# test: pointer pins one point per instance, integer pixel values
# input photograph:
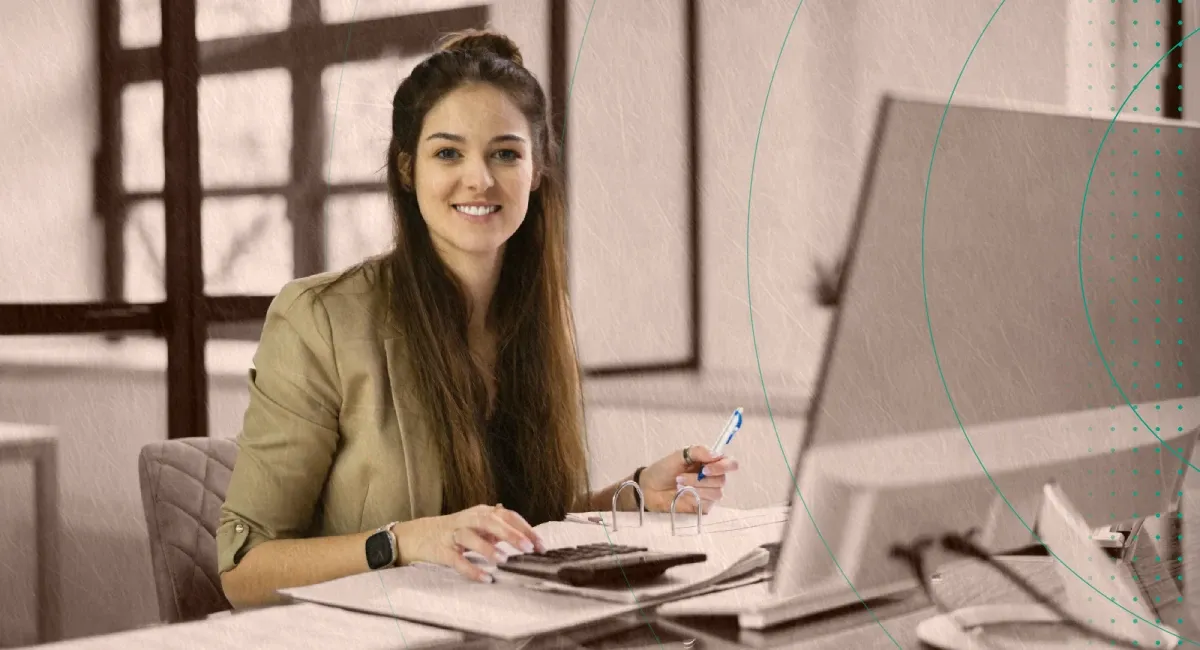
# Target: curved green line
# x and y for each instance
(754, 336)
(933, 344)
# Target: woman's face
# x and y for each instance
(473, 171)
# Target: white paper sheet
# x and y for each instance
(439, 596)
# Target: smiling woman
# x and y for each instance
(427, 402)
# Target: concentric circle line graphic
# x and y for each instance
(929, 323)
(754, 338)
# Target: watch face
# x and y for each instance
(379, 550)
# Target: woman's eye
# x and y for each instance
(508, 155)
(446, 154)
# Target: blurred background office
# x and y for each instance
(134, 268)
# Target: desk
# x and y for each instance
(39, 444)
(958, 584)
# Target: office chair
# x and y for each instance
(183, 485)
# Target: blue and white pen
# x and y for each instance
(731, 427)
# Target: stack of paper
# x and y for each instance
(732, 555)
(516, 607)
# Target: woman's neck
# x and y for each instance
(479, 275)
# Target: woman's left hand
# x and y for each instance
(663, 479)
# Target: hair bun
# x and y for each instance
(482, 40)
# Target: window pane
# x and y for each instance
(141, 136)
(145, 279)
(341, 11)
(225, 18)
(246, 242)
(358, 110)
(141, 20)
(245, 128)
(357, 226)
(247, 245)
(141, 23)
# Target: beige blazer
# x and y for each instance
(332, 443)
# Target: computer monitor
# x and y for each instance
(997, 320)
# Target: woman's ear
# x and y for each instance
(404, 165)
(537, 181)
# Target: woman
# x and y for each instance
(391, 404)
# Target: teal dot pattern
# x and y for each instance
(1136, 197)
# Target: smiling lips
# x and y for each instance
(476, 210)
(476, 213)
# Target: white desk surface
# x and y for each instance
(295, 627)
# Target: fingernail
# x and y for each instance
(526, 546)
(486, 578)
(678, 480)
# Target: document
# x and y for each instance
(732, 554)
(518, 607)
(438, 595)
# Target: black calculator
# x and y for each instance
(590, 565)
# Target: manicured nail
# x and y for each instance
(486, 578)
(678, 480)
(526, 546)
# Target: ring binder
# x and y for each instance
(699, 507)
(641, 503)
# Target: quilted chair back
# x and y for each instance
(183, 487)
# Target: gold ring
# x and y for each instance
(687, 457)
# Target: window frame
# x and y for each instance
(185, 318)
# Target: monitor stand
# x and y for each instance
(1069, 539)
(774, 609)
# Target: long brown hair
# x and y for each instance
(539, 405)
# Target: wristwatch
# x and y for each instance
(381, 548)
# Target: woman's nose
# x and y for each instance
(477, 176)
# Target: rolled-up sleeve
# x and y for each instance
(290, 430)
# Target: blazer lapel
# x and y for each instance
(422, 465)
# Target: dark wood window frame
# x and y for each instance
(186, 315)
(563, 52)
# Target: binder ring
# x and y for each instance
(699, 507)
(641, 502)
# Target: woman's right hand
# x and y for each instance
(444, 540)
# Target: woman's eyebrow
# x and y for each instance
(442, 135)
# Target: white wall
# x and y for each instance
(49, 132)
(839, 56)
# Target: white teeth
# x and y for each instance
(476, 210)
